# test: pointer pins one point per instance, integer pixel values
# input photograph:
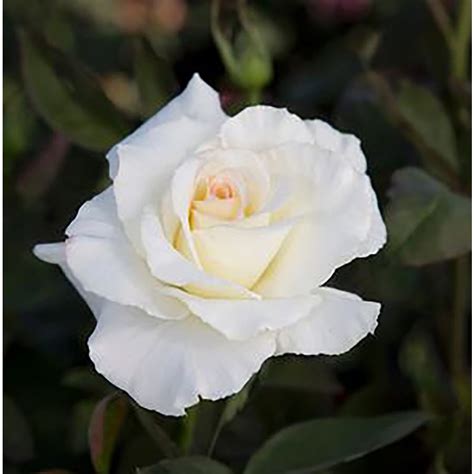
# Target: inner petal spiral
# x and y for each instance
(217, 196)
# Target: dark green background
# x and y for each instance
(392, 72)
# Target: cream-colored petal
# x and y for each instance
(240, 255)
(220, 209)
(204, 221)
(170, 266)
(249, 174)
(182, 191)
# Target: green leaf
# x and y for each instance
(232, 406)
(104, 429)
(154, 77)
(420, 362)
(187, 465)
(79, 425)
(307, 374)
(319, 444)
(19, 124)
(67, 96)
(18, 440)
(150, 423)
(428, 118)
(87, 380)
(426, 221)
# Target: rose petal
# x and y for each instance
(377, 235)
(340, 212)
(262, 127)
(182, 191)
(101, 258)
(344, 145)
(334, 326)
(144, 162)
(167, 264)
(167, 366)
(204, 221)
(56, 253)
(245, 168)
(198, 102)
(243, 319)
(240, 255)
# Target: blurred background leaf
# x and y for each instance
(67, 97)
(190, 465)
(104, 429)
(316, 445)
(79, 75)
(19, 439)
(427, 222)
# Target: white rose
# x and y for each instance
(207, 254)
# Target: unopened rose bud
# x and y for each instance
(254, 69)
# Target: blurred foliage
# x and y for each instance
(80, 74)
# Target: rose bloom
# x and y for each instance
(209, 251)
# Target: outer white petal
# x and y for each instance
(262, 127)
(101, 258)
(198, 102)
(344, 145)
(377, 236)
(336, 325)
(243, 319)
(168, 365)
(340, 207)
(145, 161)
(56, 253)
(167, 264)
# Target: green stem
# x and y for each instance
(457, 36)
(462, 36)
(214, 439)
(156, 432)
(223, 45)
(442, 21)
(189, 425)
(254, 96)
(461, 282)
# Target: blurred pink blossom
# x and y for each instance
(336, 11)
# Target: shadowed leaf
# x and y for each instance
(154, 78)
(67, 96)
(188, 465)
(428, 118)
(314, 445)
(18, 441)
(104, 429)
(426, 221)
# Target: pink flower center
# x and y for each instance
(220, 187)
